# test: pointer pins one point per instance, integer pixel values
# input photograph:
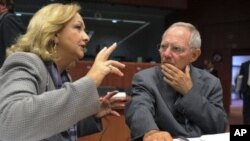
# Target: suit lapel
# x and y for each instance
(167, 93)
(195, 76)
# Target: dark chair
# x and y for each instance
(104, 89)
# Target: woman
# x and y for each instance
(37, 101)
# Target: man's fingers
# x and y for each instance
(115, 113)
(187, 69)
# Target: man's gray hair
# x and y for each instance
(195, 38)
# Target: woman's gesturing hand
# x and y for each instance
(108, 104)
(102, 66)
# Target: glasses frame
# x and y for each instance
(173, 48)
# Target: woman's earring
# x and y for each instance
(54, 47)
(55, 44)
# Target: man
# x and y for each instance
(10, 26)
(176, 98)
(209, 66)
(245, 91)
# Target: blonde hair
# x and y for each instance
(41, 31)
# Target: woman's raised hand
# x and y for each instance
(102, 66)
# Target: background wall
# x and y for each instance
(137, 31)
(224, 26)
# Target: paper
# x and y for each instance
(189, 139)
(216, 137)
(119, 95)
(211, 137)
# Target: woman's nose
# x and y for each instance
(85, 37)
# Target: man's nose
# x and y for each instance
(167, 51)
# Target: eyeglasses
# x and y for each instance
(173, 48)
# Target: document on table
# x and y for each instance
(210, 137)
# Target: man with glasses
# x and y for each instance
(176, 98)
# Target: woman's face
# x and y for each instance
(72, 40)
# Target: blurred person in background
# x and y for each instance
(209, 66)
(11, 26)
(244, 90)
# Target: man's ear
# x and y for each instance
(195, 54)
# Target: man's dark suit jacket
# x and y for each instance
(214, 72)
(157, 106)
(11, 27)
(244, 70)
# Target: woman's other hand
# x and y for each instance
(106, 105)
(109, 104)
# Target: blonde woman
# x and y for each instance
(37, 100)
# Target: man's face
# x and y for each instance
(174, 48)
(3, 8)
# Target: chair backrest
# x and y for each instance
(102, 90)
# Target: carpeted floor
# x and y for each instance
(235, 115)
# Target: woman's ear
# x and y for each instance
(195, 54)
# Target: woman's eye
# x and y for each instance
(78, 27)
